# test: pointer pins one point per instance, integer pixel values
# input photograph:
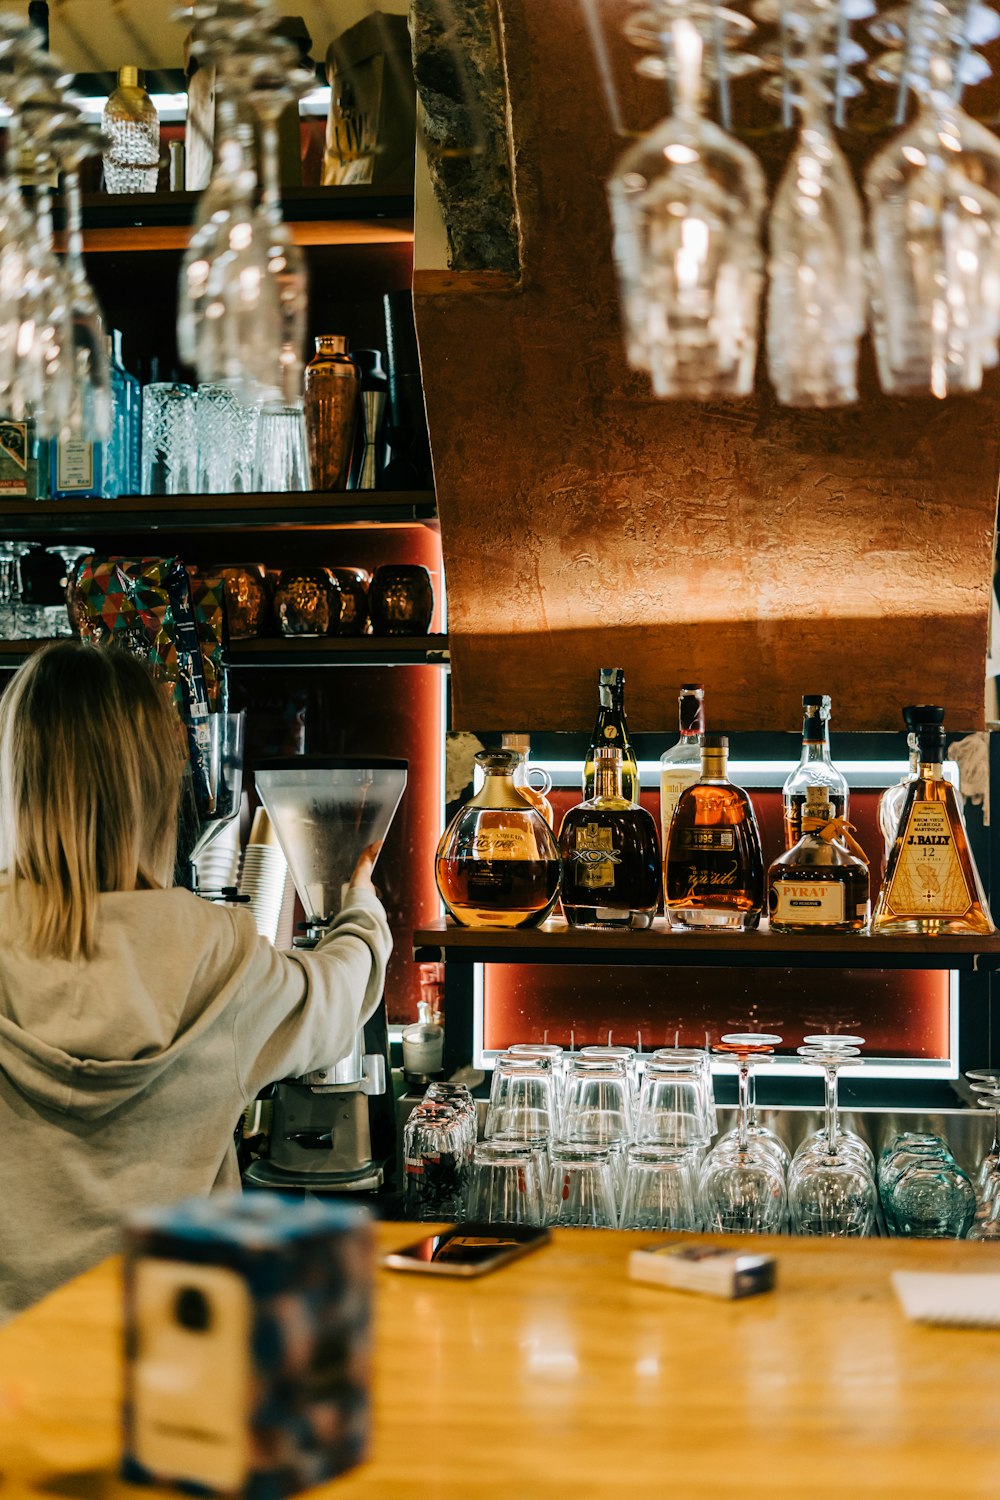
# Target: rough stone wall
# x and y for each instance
(762, 551)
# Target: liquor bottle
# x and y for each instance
(536, 795)
(823, 882)
(814, 769)
(610, 855)
(680, 766)
(123, 453)
(890, 804)
(497, 864)
(76, 469)
(931, 884)
(714, 866)
(132, 129)
(612, 729)
(24, 462)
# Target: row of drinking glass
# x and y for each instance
(209, 442)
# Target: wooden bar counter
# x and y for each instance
(556, 1378)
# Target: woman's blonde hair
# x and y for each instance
(90, 773)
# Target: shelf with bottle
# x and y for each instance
(288, 510)
(555, 942)
(305, 651)
(143, 222)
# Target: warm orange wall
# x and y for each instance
(585, 524)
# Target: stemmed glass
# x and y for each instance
(934, 215)
(986, 1085)
(90, 415)
(831, 1189)
(816, 291)
(686, 205)
(743, 1182)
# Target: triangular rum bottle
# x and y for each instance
(931, 885)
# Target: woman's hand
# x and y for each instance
(361, 880)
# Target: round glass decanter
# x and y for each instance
(497, 864)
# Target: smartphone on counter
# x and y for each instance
(467, 1249)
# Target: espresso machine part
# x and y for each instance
(334, 1129)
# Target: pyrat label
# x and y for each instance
(928, 880)
(805, 901)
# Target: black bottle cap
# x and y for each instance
(917, 714)
(692, 687)
(715, 742)
(815, 700)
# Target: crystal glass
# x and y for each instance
(932, 1198)
(458, 1098)
(505, 1186)
(497, 864)
(168, 439)
(282, 462)
(218, 439)
(307, 602)
(743, 1185)
(660, 1189)
(11, 588)
(831, 1191)
(816, 288)
(581, 1188)
(686, 204)
(132, 128)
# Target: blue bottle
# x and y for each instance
(122, 466)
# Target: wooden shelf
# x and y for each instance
(49, 519)
(556, 943)
(306, 651)
(316, 216)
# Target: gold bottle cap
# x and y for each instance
(131, 78)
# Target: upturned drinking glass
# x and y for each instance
(932, 1198)
(505, 1185)
(673, 1106)
(597, 1105)
(743, 1185)
(282, 462)
(686, 205)
(437, 1151)
(660, 1189)
(581, 1188)
(526, 1104)
(831, 1191)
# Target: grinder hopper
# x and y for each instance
(325, 810)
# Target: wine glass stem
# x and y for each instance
(43, 206)
(830, 1075)
(74, 223)
(270, 169)
(743, 1109)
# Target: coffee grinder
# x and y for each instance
(332, 1131)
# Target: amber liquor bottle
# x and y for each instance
(610, 855)
(714, 865)
(822, 883)
(931, 885)
(611, 733)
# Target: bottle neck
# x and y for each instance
(691, 716)
(931, 770)
(815, 743)
(713, 764)
(608, 778)
(612, 699)
(498, 790)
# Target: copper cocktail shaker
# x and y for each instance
(331, 407)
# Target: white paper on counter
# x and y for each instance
(970, 1300)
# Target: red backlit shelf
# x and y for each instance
(556, 943)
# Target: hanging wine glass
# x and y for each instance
(276, 81)
(90, 415)
(686, 204)
(816, 293)
(831, 1191)
(743, 1184)
(935, 229)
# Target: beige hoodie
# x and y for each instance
(122, 1078)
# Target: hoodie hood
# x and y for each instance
(83, 1038)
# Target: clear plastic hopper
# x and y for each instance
(325, 810)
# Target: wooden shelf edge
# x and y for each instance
(555, 943)
(284, 652)
(286, 510)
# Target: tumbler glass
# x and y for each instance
(218, 438)
(581, 1188)
(932, 1198)
(505, 1187)
(597, 1108)
(660, 1189)
(282, 455)
(527, 1111)
(436, 1156)
(673, 1106)
(168, 439)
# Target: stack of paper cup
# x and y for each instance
(219, 864)
(264, 875)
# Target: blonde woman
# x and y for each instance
(136, 1021)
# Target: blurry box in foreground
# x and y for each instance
(248, 1344)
